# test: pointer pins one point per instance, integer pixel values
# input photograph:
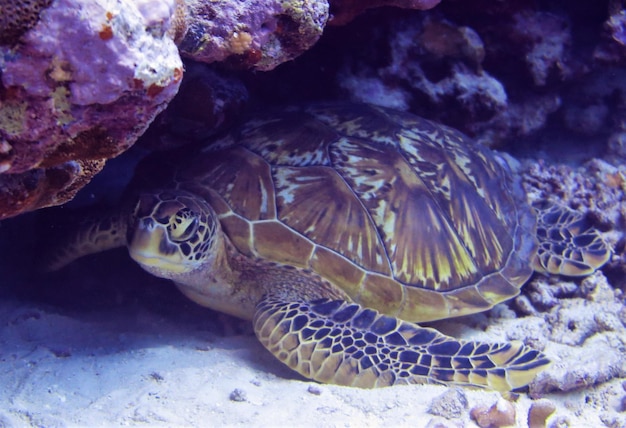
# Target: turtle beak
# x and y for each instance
(150, 247)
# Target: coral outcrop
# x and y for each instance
(500, 414)
(17, 17)
(258, 34)
(80, 87)
(499, 71)
(207, 103)
(431, 65)
(262, 34)
(589, 331)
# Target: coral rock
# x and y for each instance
(44, 187)
(578, 319)
(501, 414)
(207, 103)
(258, 34)
(77, 89)
(597, 188)
(547, 38)
(590, 330)
(451, 404)
(598, 360)
(539, 413)
(17, 17)
(616, 24)
(438, 67)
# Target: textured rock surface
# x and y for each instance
(596, 186)
(258, 34)
(539, 412)
(433, 63)
(499, 414)
(450, 405)
(497, 70)
(79, 88)
(207, 102)
(436, 66)
(262, 34)
(17, 17)
(588, 333)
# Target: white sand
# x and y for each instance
(154, 359)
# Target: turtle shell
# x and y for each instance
(405, 215)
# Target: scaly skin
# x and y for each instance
(333, 341)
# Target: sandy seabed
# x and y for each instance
(102, 346)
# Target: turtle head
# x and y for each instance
(173, 234)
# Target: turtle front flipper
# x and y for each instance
(94, 234)
(333, 341)
(568, 245)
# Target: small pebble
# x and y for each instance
(238, 395)
(156, 377)
(451, 404)
(61, 352)
(314, 389)
(501, 414)
(539, 413)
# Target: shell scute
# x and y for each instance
(239, 231)
(275, 241)
(406, 216)
(382, 292)
(422, 304)
(318, 203)
(469, 300)
(467, 188)
(338, 270)
(361, 121)
(294, 139)
(497, 285)
(401, 214)
(242, 178)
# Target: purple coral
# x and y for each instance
(80, 87)
(258, 34)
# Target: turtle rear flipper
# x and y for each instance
(94, 234)
(568, 245)
(333, 341)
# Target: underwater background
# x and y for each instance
(102, 343)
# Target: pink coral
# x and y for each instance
(258, 34)
(80, 87)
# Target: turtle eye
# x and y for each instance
(183, 226)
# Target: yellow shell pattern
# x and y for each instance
(406, 216)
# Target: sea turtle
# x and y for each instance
(335, 228)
